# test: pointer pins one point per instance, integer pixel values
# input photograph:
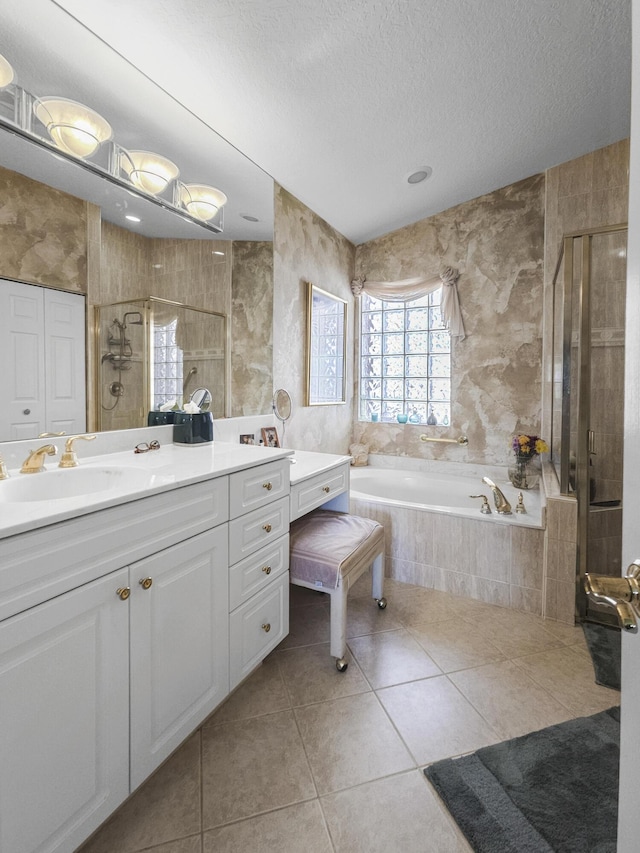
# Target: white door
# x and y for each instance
(179, 645)
(629, 803)
(22, 379)
(64, 335)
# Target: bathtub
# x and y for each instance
(436, 537)
(442, 493)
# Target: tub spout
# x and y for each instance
(503, 507)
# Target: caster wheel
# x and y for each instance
(341, 665)
(382, 603)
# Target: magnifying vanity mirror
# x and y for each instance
(281, 405)
(202, 398)
(66, 229)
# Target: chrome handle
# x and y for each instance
(326, 489)
(123, 592)
(267, 486)
(266, 627)
(145, 583)
(622, 594)
(266, 570)
(267, 528)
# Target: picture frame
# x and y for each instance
(270, 437)
(247, 438)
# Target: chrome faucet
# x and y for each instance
(35, 460)
(503, 507)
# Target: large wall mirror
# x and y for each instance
(65, 229)
(326, 341)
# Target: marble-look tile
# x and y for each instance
(263, 692)
(611, 166)
(392, 815)
(561, 519)
(455, 644)
(569, 677)
(513, 633)
(308, 624)
(566, 602)
(575, 176)
(293, 829)
(527, 557)
(349, 741)
(525, 599)
(392, 657)
(310, 675)
(165, 808)
(417, 574)
(365, 617)
(435, 720)
(238, 762)
(424, 605)
(193, 844)
(511, 702)
(300, 596)
(551, 599)
(561, 560)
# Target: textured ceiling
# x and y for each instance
(340, 100)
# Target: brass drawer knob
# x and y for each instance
(326, 489)
(266, 570)
(267, 486)
(145, 583)
(124, 592)
(266, 627)
(266, 528)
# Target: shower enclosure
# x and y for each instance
(588, 395)
(152, 352)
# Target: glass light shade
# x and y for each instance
(6, 73)
(149, 172)
(74, 128)
(201, 201)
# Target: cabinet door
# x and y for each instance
(179, 645)
(64, 709)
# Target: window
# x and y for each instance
(405, 361)
(167, 365)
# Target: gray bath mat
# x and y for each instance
(551, 791)
(604, 647)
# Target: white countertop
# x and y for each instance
(170, 467)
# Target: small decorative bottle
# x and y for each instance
(414, 417)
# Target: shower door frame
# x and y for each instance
(584, 435)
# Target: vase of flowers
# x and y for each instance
(525, 448)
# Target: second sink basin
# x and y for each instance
(59, 484)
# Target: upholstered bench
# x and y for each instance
(329, 551)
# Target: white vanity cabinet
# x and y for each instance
(259, 565)
(64, 717)
(179, 645)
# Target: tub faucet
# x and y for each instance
(503, 507)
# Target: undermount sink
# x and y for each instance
(59, 484)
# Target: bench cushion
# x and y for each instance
(325, 546)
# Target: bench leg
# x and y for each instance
(339, 626)
(377, 581)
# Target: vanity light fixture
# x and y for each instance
(6, 73)
(201, 201)
(74, 128)
(132, 218)
(150, 172)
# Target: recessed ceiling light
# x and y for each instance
(249, 218)
(219, 253)
(420, 175)
(132, 218)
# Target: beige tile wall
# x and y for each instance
(496, 242)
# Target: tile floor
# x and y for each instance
(303, 759)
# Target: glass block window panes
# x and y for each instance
(167, 365)
(326, 377)
(405, 361)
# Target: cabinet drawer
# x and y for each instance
(317, 490)
(257, 627)
(254, 573)
(258, 486)
(36, 566)
(258, 528)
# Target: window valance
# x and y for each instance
(408, 289)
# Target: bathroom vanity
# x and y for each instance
(128, 615)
